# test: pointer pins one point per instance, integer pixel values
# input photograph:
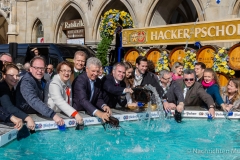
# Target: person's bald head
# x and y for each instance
(49, 68)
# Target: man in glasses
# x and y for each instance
(49, 73)
(199, 69)
(173, 95)
(29, 92)
(193, 92)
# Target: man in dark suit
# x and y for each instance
(173, 95)
(87, 94)
(50, 73)
(199, 69)
(193, 92)
(79, 60)
(114, 88)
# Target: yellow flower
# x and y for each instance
(217, 56)
(232, 72)
(225, 70)
(221, 51)
(165, 61)
(224, 63)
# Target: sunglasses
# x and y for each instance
(189, 79)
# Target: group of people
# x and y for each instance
(81, 86)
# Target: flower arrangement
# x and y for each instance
(111, 22)
(163, 62)
(190, 59)
(112, 19)
(220, 62)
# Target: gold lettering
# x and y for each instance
(154, 35)
(186, 33)
(180, 33)
(160, 35)
(233, 30)
(197, 31)
(165, 34)
(209, 31)
(220, 30)
(204, 32)
(173, 35)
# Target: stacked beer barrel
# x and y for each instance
(204, 54)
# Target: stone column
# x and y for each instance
(12, 26)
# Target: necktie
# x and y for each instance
(185, 92)
(68, 94)
(117, 84)
(92, 89)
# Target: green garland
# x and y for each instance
(110, 23)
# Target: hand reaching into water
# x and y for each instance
(17, 121)
(58, 120)
(79, 119)
(30, 123)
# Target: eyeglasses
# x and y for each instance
(65, 71)
(49, 68)
(39, 68)
(189, 79)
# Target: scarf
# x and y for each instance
(206, 85)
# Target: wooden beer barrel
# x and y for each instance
(176, 55)
(223, 79)
(153, 54)
(131, 56)
(206, 55)
(234, 57)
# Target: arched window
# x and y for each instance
(39, 33)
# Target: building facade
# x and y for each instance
(77, 21)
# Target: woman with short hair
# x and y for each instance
(58, 92)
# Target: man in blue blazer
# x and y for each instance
(87, 94)
(114, 88)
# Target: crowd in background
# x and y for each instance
(39, 88)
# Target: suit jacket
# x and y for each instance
(195, 95)
(174, 93)
(200, 80)
(74, 75)
(30, 96)
(47, 77)
(148, 78)
(56, 97)
(82, 93)
(113, 92)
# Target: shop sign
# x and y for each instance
(73, 24)
(77, 33)
(218, 31)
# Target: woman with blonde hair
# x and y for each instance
(177, 71)
(232, 98)
(211, 85)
